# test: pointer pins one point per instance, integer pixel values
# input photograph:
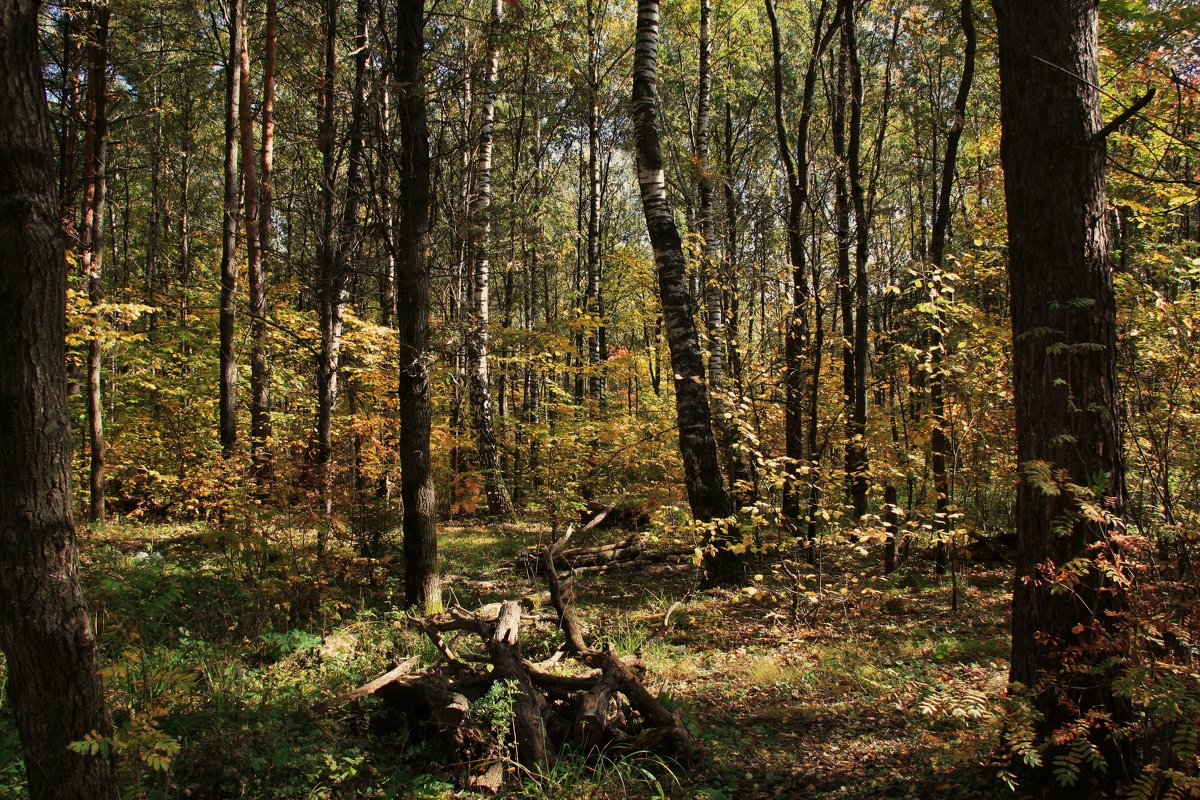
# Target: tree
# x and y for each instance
(480, 269)
(95, 195)
(1072, 495)
(45, 634)
(421, 584)
(796, 347)
(705, 487)
(227, 424)
(939, 437)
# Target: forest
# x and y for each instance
(599, 399)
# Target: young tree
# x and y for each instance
(227, 425)
(1072, 495)
(480, 265)
(421, 583)
(95, 195)
(702, 472)
(53, 685)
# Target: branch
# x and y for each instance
(1102, 134)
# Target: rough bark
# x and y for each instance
(421, 582)
(1064, 376)
(54, 691)
(702, 472)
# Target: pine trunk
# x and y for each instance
(421, 582)
(54, 690)
(1064, 373)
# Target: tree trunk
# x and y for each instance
(258, 247)
(95, 191)
(796, 169)
(705, 487)
(1064, 374)
(856, 445)
(331, 278)
(54, 689)
(480, 231)
(421, 583)
(592, 300)
(227, 426)
(940, 438)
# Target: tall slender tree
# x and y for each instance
(480, 266)
(95, 199)
(702, 472)
(796, 159)
(53, 685)
(939, 435)
(227, 424)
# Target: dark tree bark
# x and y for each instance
(259, 208)
(95, 196)
(54, 690)
(227, 424)
(331, 283)
(705, 486)
(856, 442)
(939, 437)
(421, 583)
(1064, 372)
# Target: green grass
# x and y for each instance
(218, 652)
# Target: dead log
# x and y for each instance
(627, 516)
(605, 706)
(528, 703)
(370, 687)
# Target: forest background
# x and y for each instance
(230, 182)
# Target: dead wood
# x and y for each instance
(603, 706)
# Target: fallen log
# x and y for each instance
(602, 707)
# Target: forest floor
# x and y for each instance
(218, 658)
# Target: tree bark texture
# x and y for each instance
(421, 582)
(53, 688)
(1064, 376)
(697, 446)
(480, 232)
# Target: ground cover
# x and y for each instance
(825, 681)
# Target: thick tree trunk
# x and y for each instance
(480, 231)
(1064, 373)
(227, 425)
(421, 583)
(54, 690)
(95, 194)
(702, 472)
